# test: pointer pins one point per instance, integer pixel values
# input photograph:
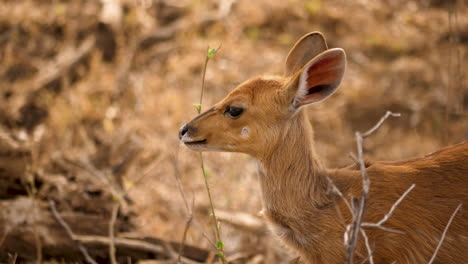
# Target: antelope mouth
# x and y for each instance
(197, 142)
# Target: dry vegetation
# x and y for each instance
(91, 99)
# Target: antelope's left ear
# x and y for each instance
(320, 77)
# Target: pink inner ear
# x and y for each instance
(323, 76)
(326, 72)
(320, 77)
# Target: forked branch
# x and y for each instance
(352, 232)
(389, 214)
(379, 124)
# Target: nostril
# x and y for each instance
(183, 130)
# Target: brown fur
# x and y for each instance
(297, 201)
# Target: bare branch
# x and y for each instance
(352, 231)
(179, 182)
(379, 124)
(70, 232)
(337, 191)
(108, 181)
(130, 243)
(358, 206)
(389, 214)
(184, 238)
(353, 157)
(13, 258)
(390, 230)
(444, 234)
(204, 234)
(37, 238)
(115, 210)
(369, 250)
(187, 207)
(189, 210)
(362, 165)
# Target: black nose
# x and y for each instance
(183, 130)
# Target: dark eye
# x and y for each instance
(233, 112)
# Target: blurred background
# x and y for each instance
(92, 94)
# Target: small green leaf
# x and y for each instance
(197, 106)
(220, 254)
(207, 173)
(211, 53)
(219, 245)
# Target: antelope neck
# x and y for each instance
(292, 172)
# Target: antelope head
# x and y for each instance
(255, 115)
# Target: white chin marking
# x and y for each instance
(203, 147)
(245, 132)
(186, 138)
(196, 147)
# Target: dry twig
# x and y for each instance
(115, 210)
(352, 232)
(13, 258)
(189, 210)
(379, 124)
(369, 249)
(389, 214)
(111, 241)
(70, 233)
(37, 238)
(129, 243)
(107, 180)
(337, 191)
(444, 234)
(184, 236)
(126, 242)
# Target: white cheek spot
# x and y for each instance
(245, 132)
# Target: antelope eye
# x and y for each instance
(233, 112)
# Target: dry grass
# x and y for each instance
(122, 111)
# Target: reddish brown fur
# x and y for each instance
(298, 205)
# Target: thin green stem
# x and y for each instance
(203, 84)
(219, 244)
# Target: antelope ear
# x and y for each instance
(320, 77)
(303, 51)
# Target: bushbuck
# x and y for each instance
(265, 118)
